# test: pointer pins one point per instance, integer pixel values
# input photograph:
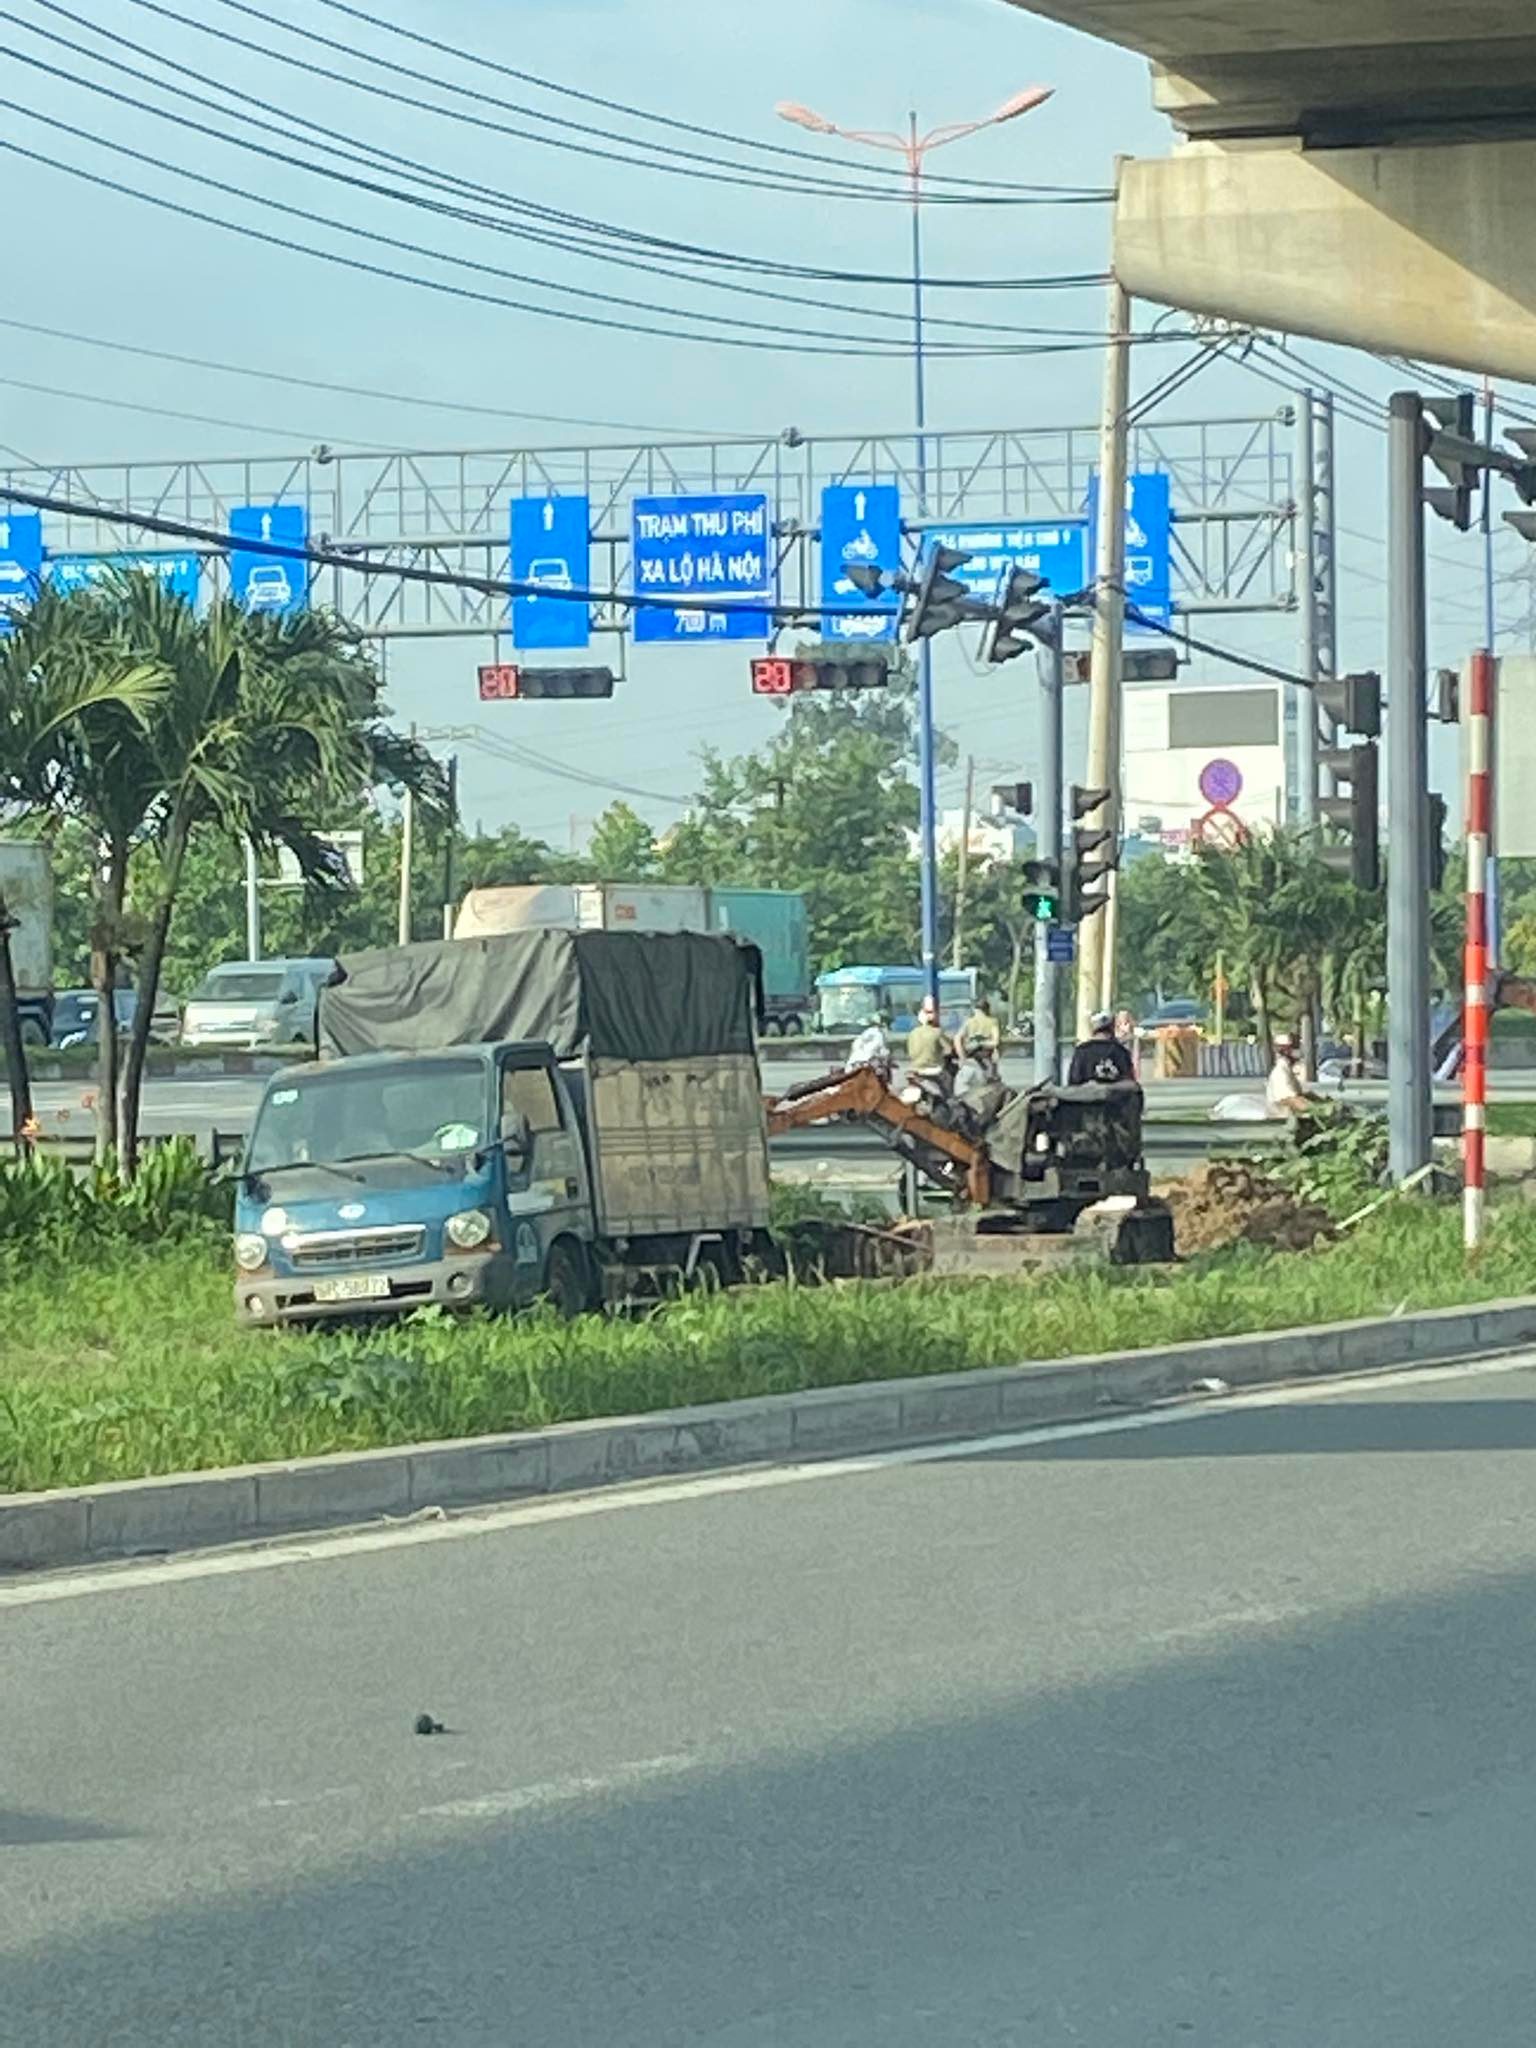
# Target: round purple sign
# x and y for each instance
(1221, 782)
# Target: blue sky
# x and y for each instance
(109, 265)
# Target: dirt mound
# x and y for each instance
(1225, 1202)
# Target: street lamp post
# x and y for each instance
(913, 148)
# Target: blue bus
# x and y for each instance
(848, 998)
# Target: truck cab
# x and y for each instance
(388, 1182)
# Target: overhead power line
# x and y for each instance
(902, 319)
(271, 376)
(334, 141)
(482, 62)
(793, 344)
(666, 158)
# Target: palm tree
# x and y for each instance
(266, 725)
(122, 708)
(76, 700)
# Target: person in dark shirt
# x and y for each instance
(1101, 1058)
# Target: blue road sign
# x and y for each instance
(551, 546)
(267, 582)
(860, 527)
(698, 549)
(1148, 542)
(1060, 946)
(21, 562)
(1056, 550)
(179, 574)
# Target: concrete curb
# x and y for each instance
(187, 1511)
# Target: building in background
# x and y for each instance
(1203, 761)
(990, 839)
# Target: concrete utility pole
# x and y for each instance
(964, 871)
(1306, 581)
(252, 903)
(1095, 964)
(407, 864)
(1050, 661)
(1408, 1062)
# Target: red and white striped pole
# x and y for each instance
(1474, 1066)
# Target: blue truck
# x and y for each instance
(569, 1115)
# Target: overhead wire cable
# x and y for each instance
(747, 177)
(271, 376)
(359, 150)
(797, 345)
(563, 244)
(780, 149)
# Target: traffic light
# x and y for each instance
(1017, 797)
(1080, 869)
(1436, 838)
(508, 682)
(1353, 703)
(1042, 890)
(1019, 611)
(776, 675)
(1452, 448)
(1356, 813)
(942, 599)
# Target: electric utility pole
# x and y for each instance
(1051, 662)
(1095, 964)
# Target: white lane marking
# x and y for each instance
(279, 1553)
(560, 1791)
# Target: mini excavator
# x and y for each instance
(1016, 1164)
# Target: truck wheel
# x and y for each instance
(32, 1033)
(771, 1027)
(567, 1280)
(793, 1027)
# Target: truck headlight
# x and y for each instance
(250, 1252)
(470, 1229)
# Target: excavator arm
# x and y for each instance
(954, 1162)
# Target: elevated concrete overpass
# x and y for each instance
(1359, 170)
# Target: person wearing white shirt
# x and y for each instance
(1284, 1094)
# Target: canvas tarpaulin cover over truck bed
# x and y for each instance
(614, 995)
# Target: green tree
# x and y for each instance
(824, 808)
(622, 847)
(156, 729)
(77, 703)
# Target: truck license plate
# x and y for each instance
(354, 1287)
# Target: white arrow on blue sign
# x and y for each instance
(262, 581)
(21, 562)
(860, 527)
(552, 547)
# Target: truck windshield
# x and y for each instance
(427, 1109)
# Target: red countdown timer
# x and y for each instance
(498, 682)
(772, 676)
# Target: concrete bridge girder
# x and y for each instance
(1406, 251)
(1361, 171)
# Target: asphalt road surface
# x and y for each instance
(1213, 1732)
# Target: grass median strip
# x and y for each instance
(126, 1363)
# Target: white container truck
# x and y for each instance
(26, 890)
(583, 907)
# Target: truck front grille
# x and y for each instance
(329, 1248)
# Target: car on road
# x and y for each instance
(75, 1011)
(250, 1003)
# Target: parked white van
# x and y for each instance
(249, 1003)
